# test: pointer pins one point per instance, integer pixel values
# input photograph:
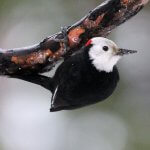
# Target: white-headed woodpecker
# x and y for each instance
(86, 77)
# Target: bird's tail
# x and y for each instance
(44, 81)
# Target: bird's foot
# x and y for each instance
(65, 37)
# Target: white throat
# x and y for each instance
(104, 63)
(106, 66)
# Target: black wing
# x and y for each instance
(67, 79)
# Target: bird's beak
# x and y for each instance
(122, 52)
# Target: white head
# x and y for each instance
(104, 53)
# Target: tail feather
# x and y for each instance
(41, 80)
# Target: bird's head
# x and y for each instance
(104, 53)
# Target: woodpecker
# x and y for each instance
(85, 78)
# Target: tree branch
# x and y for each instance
(43, 56)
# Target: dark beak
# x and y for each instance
(122, 52)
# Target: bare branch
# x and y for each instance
(42, 57)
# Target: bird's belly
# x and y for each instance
(86, 94)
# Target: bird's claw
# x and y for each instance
(65, 37)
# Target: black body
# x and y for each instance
(77, 83)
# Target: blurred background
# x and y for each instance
(120, 123)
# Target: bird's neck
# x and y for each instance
(102, 65)
(99, 64)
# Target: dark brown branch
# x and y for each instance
(42, 57)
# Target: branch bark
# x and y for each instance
(43, 56)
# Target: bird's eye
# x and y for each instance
(105, 48)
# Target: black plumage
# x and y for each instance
(78, 83)
(84, 78)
